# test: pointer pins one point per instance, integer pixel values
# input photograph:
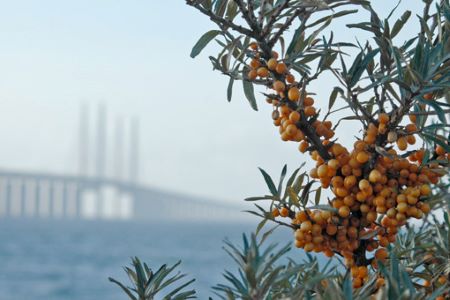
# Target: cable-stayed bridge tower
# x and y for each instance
(106, 183)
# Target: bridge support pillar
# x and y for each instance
(30, 201)
(3, 199)
(22, 197)
(50, 197)
(8, 196)
(37, 197)
(78, 194)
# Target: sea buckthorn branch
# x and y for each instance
(273, 18)
(367, 117)
(287, 24)
(378, 185)
(428, 113)
(219, 20)
(261, 12)
(249, 16)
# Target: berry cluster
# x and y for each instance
(376, 187)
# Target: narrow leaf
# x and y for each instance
(230, 89)
(203, 41)
(249, 93)
(317, 199)
(400, 22)
(269, 182)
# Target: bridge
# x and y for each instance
(96, 194)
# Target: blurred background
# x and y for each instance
(116, 143)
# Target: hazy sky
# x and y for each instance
(134, 56)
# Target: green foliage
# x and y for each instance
(263, 275)
(294, 194)
(265, 272)
(289, 279)
(397, 74)
(258, 274)
(149, 285)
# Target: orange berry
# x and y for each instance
(337, 181)
(309, 247)
(344, 211)
(370, 138)
(383, 242)
(381, 254)
(308, 101)
(442, 280)
(316, 229)
(352, 232)
(313, 173)
(294, 116)
(425, 190)
(357, 283)
(364, 184)
(333, 163)
(306, 226)
(411, 128)
(425, 208)
(299, 243)
(380, 282)
(371, 216)
(322, 171)
(440, 150)
(275, 212)
(372, 129)
(255, 63)
(349, 181)
(279, 86)
(328, 253)
(310, 111)
(402, 143)
(262, 72)
(253, 45)
(374, 176)
(285, 136)
(272, 64)
(290, 78)
(382, 128)
(331, 229)
(294, 94)
(362, 271)
(383, 118)
(303, 146)
(364, 208)
(392, 137)
(391, 213)
(284, 212)
(428, 96)
(362, 157)
(402, 207)
(341, 192)
(410, 139)
(301, 216)
(281, 68)
(291, 129)
(252, 74)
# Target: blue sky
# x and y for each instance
(134, 57)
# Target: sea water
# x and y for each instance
(57, 259)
